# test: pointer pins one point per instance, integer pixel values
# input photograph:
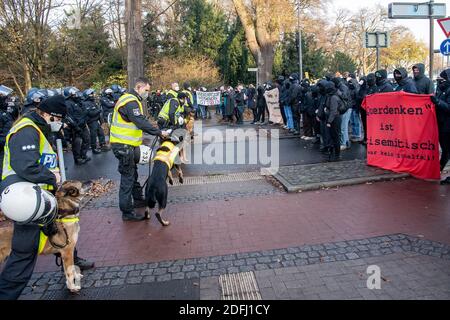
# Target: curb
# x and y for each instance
(337, 183)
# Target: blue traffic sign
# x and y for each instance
(445, 47)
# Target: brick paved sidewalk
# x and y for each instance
(411, 268)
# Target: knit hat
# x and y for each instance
(54, 106)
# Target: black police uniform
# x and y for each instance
(80, 131)
(129, 186)
(93, 121)
(107, 103)
(24, 161)
(6, 122)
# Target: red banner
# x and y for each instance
(402, 133)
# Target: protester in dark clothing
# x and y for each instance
(261, 105)
(367, 86)
(423, 84)
(251, 101)
(383, 84)
(285, 101)
(404, 82)
(321, 116)
(229, 105)
(312, 111)
(294, 101)
(307, 103)
(280, 84)
(333, 121)
(240, 104)
(442, 102)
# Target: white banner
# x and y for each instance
(208, 98)
(273, 105)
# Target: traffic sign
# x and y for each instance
(445, 47)
(376, 39)
(411, 10)
(445, 26)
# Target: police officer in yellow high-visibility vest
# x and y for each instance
(127, 126)
(29, 157)
(172, 114)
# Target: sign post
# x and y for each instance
(419, 10)
(254, 70)
(376, 40)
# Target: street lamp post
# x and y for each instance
(300, 62)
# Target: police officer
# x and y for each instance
(172, 113)
(80, 131)
(29, 157)
(173, 92)
(6, 119)
(116, 92)
(127, 127)
(33, 99)
(94, 117)
(107, 103)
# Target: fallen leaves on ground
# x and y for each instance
(100, 187)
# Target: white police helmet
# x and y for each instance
(26, 202)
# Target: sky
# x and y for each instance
(420, 28)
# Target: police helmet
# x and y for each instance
(26, 202)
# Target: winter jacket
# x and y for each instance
(405, 83)
(423, 84)
(383, 84)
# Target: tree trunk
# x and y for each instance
(265, 63)
(135, 41)
(27, 76)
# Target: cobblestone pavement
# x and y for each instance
(316, 176)
(322, 271)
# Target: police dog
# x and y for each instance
(167, 157)
(69, 197)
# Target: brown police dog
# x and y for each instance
(69, 197)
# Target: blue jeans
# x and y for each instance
(289, 118)
(356, 124)
(344, 128)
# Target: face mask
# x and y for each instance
(55, 126)
(144, 95)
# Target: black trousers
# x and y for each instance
(335, 138)
(95, 130)
(255, 114)
(282, 114)
(20, 264)
(2, 155)
(444, 141)
(308, 123)
(129, 186)
(364, 122)
(296, 117)
(80, 143)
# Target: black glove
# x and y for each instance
(50, 229)
(434, 100)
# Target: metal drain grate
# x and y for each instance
(239, 286)
(220, 178)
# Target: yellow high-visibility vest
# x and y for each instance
(164, 113)
(49, 158)
(123, 131)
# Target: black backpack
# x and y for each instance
(344, 105)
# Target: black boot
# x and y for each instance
(96, 151)
(83, 264)
(336, 154)
(131, 216)
(445, 181)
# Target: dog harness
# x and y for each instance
(168, 157)
(43, 237)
